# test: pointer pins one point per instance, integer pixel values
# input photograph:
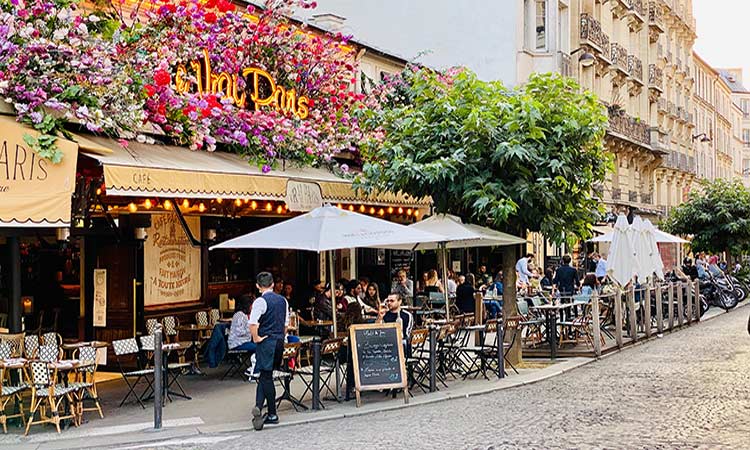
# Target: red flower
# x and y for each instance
(162, 78)
(210, 4)
(150, 90)
(210, 17)
(225, 6)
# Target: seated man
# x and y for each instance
(395, 314)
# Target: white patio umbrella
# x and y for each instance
(456, 234)
(326, 229)
(657, 265)
(621, 262)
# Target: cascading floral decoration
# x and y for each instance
(275, 91)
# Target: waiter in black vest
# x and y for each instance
(269, 319)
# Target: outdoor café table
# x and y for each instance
(70, 347)
(550, 312)
(195, 332)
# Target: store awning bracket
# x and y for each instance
(193, 241)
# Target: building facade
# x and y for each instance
(741, 124)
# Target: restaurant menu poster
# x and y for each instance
(100, 297)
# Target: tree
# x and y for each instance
(717, 215)
(516, 159)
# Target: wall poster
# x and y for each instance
(171, 266)
(100, 297)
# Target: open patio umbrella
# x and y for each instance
(621, 263)
(456, 234)
(326, 229)
(661, 237)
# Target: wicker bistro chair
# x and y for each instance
(45, 392)
(6, 350)
(170, 324)
(86, 382)
(125, 348)
(16, 343)
(329, 364)
(49, 353)
(10, 392)
(31, 346)
(151, 326)
(201, 319)
(51, 338)
(213, 316)
(417, 365)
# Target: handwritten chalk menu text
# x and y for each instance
(378, 357)
(171, 266)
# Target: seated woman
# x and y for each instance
(371, 302)
(239, 332)
(590, 285)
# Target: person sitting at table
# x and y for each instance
(403, 286)
(371, 302)
(451, 285)
(341, 301)
(590, 285)
(392, 313)
(433, 284)
(422, 283)
(239, 332)
(363, 283)
(494, 304)
(546, 282)
(465, 295)
(278, 285)
(288, 292)
(322, 305)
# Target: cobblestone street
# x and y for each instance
(687, 390)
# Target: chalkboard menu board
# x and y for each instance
(378, 357)
(401, 259)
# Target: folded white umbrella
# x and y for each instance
(657, 265)
(621, 263)
(329, 228)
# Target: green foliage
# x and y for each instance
(522, 158)
(718, 217)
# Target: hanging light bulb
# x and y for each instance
(390, 210)
(201, 207)
(339, 206)
(167, 205)
(361, 208)
(132, 207)
(351, 207)
(269, 206)
(219, 200)
(238, 202)
(147, 204)
(186, 204)
(381, 212)
(246, 201)
(279, 209)
(254, 205)
(98, 191)
(408, 212)
(416, 213)
(400, 210)
(372, 210)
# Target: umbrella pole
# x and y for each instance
(332, 278)
(443, 248)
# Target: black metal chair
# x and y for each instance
(329, 364)
(128, 347)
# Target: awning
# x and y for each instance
(151, 170)
(34, 192)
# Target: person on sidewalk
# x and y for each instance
(269, 320)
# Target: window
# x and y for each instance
(540, 16)
(746, 136)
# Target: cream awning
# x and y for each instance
(34, 192)
(150, 170)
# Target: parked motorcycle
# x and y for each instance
(718, 292)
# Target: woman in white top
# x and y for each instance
(239, 333)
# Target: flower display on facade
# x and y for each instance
(201, 72)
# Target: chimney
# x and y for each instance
(328, 21)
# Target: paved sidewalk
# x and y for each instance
(224, 407)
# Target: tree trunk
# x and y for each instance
(510, 308)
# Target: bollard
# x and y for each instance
(433, 353)
(632, 320)
(618, 317)
(316, 374)
(697, 298)
(670, 306)
(688, 303)
(500, 352)
(596, 330)
(647, 311)
(659, 310)
(158, 377)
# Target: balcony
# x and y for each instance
(619, 58)
(690, 120)
(636, 15)
(681, 114)
(655, 21)
(633, 196)
(593, 36)
(655, 78)
(635, 68)
(629, 127)
(564, 64)
(672, 109)
(662, 106)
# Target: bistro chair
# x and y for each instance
(6, 350)
(31, 346)
(417, 363)
(51, 338)
(283, 376)
(128, 347)
(174, 370)
(511, 325)
(86, 383)
(329, 364)
(16, 343)
(10, 392)
(213, 316)
(49, 353)
(530, 325)
(170, 324)
(151, 326)
(48, 395)
(480, 356)
(201, 319)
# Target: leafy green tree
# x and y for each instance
(516, 159)
(718, 217)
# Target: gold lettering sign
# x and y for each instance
(259, 84)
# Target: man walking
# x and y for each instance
(269, 319)
(601, 267)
